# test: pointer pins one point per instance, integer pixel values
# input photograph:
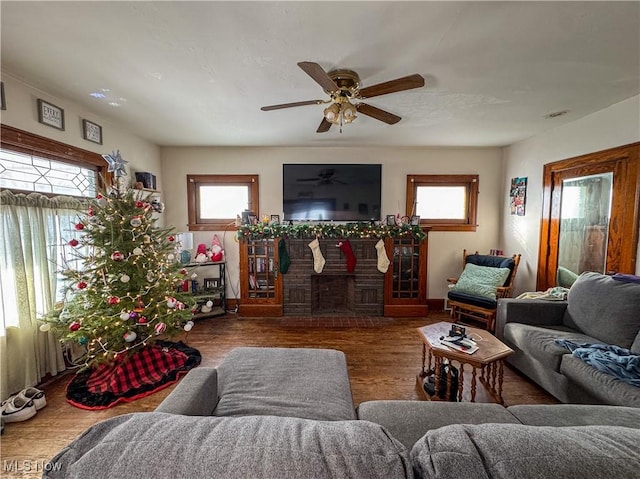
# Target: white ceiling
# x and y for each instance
(197, 73)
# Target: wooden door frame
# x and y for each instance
(622, 244)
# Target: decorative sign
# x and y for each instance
(518, 195)
(50, 115)
(91, 132)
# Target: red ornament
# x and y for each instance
(73, 242)
(74, 326)
(81, 285)
(139, 204)
(183, 271)
(142, 320)
(113, 300)
(79, 226)
(90, 212)
(171, 238)
(117, 256)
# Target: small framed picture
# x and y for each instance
(391, 220)
(275, 219)
(253, 219)
(415, 221)
(211, 283)
(91, 132)
(51, 115)
(3, 104)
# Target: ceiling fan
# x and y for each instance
(343, 86)
(326, 176)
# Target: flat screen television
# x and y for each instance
(331, 192)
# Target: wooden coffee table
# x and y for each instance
(488, 359)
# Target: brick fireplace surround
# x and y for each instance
(334, 291)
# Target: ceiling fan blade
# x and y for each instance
(399, 84)
(321, 77)
(377, 113)
(324, 126)
(289, 105)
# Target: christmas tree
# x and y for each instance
(124, 293)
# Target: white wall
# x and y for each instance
(445, 248)
(614, 126)
(22, 113)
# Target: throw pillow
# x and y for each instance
(481, 280)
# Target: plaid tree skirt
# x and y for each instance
(150, 369)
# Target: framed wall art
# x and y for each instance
(518, 196)
(91, 131)
(51, 115)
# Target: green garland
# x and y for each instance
(329, 230)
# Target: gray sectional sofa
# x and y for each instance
(599, 310)
(288, 413)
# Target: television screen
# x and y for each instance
(327, 192)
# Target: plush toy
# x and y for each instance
(201, 254)
(217, 253)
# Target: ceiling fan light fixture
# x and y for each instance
(332, 113)
(348, 112)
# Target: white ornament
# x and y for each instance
(135, 221)
(138, 251)
(150, 276)
(172, 302)
(171, 257)
(210, 303)
(194, 276)
(188, 326)
(125, 278)
(124, 315)
(130, 336)
(45, 327)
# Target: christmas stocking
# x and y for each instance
(318, 259)
(285, 261)
(383, 259)
(345, 247)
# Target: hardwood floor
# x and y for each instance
(383, 359)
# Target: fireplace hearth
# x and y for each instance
(334, 291)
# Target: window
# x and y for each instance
(444, 202)
(31, 163)
(214, 201)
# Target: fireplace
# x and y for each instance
(332, 294)
(334, 291)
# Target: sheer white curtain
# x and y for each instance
(34, 228)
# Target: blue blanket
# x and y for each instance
(608, 358)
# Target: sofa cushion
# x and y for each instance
(576, 415)
(605, 387)
(159, 445)
(295, 382)
(509, 450)
(407, 421)
(604, 308)
(481, 280)
(539, 342)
